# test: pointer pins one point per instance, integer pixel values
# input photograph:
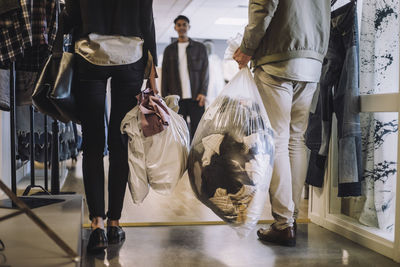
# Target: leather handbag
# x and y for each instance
(54, 93)
(62, 96)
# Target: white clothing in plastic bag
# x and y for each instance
(231, 158)
(233, 45)
(158, 161)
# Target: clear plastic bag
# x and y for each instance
(159, 160)
(231, 158)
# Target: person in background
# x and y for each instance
(287, 41)
(216, 77)
(185, 73)
(113, 39)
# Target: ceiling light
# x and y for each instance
(231, 21)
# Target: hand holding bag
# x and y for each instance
(154, 115)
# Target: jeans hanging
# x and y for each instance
(4, 90)
(339, 94)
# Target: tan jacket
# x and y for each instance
(284, 29)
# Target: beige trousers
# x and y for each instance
(287, 103)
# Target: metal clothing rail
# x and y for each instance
(12, 194)
(12, 129)
(55, 176)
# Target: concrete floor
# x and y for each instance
(179, 207)
(218, 245)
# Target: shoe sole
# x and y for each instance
(98, 248)
(287, 243)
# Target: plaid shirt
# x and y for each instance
(15, 33)
(44, 17)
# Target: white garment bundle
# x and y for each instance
(158, 161)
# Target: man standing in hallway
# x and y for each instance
(185, 73)
(286, 41)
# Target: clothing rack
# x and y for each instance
(12, 194)
(55, 176)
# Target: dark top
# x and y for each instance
(197, 60)
(112, 17)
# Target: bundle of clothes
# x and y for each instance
(230, 162)
(158, 145)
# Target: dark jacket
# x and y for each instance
(197, 60)
(116, 17)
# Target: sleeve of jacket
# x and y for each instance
(261, 13)
(148, 29)
(204, 72)
(164, 74)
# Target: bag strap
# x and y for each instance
(58, 47)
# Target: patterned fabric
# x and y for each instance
(44, 17)
(39, 21)
(15, 34)
(379, 53)
(53, 9)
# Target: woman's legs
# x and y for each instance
(125, 85)
(91, 100)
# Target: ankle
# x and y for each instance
(97, 222)
(113, 223)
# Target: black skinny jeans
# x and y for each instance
(126, 82)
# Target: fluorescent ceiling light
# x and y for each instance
(231, 21)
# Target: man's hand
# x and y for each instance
(241, 58)
(202, 100)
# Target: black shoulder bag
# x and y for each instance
(54, 93)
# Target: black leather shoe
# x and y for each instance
(285, 237)
(97, 241)
(115, 234)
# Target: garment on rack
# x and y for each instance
(15, 33)
(9, 5)
(44, 17)
(339, 94)
(67, 136)
(25, 82)
(313, 135)
(4, 90)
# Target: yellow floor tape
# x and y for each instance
(150, 224)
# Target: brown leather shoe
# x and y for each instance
(285, 237)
